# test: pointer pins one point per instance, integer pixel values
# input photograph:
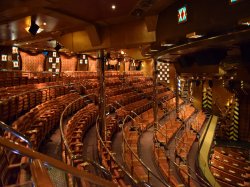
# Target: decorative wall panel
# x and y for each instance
(68, 63)
(32, 62)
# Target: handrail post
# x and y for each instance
(102, 102)
(155, 103)
(17, 134)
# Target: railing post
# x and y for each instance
(102, 103)
(155, 103)
(177, 96)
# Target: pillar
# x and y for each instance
(155, 103)
(102, 102)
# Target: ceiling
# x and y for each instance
(59, 17)
(138, 27)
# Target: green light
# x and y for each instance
(233, 1)
(182, 14)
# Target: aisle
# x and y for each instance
(146, 155)
(53, 148)
(90, 144)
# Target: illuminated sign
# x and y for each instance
(233, 1)
(182, 14)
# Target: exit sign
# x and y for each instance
(233, 1)
(182, 14)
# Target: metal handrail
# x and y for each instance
(16, 133)
(136, 156)
(55, 163)
(136, 114)
(178, 166)
(111, 155)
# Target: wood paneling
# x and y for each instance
(68, 63)
(32, 62)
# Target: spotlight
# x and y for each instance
(210, 83)
(33, 28)
(58, 47)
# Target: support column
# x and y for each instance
(102, 102)
(155, 102)
(177, 95)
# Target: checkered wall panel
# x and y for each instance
(163, 74)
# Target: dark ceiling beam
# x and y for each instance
(113, 36)
(221, 41)
(151, 22)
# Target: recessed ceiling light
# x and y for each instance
(44, 23)
(245, 23)
(166, 45)
(113, 7)
(27, 43)
(193, 35)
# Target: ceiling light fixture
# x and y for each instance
(153, 50)
(113, 7)
(166, 44)
(193, 35)
(33, 29)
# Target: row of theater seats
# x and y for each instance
(170, 105)
(186, 111)
(163, 164)
(165, 95)
(135, 167)
(149, 91)
(185, 142)
(230, 166)
(132, 108)
(139, 86)
(76, 129)
(36, 125)
(123, 99)
(40, 120)
(14, 102)
(163, 136)
(146, 119)
(106, 160)
(112, 91)
(17, 81)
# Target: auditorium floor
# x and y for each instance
(53, 148)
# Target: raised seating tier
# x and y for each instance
(134, 165)
(76, 129)
(39, 121)
(15, 101)
(231, 166)
(137, 107)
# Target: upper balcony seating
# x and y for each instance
(134, 165)
(107, 162)
(76, 129)
(137, 107)
(16, 101)
(165, 95)
(39, 121)
(163, 164)
(170, 105)
(186, 111)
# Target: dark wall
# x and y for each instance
(204, 16)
